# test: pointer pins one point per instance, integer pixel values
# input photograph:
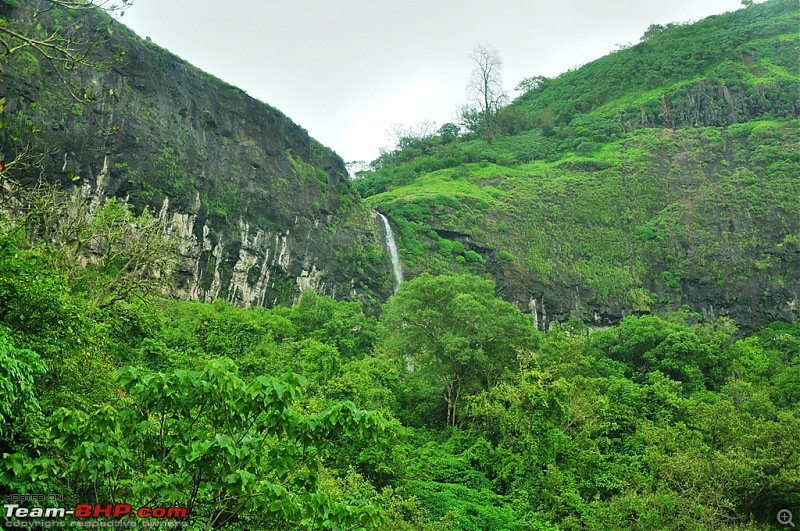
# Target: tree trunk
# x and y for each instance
(451, 394)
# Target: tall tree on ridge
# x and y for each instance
(485, 86)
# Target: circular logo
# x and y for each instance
(785, 517)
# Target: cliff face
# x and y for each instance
(263, 211)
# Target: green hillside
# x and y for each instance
(661, 175)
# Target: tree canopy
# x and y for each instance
(455, 328)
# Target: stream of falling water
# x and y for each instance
(392, 245)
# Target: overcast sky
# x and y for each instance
(348, 70)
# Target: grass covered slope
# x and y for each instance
(575, 208)
(740, 64)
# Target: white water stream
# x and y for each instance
(392, 245)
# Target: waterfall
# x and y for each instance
(392, 245)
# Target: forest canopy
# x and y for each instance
(448, 410)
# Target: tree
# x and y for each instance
(402, 136)
(453, 329)
(693, 355)
(532, 83)
(18, 367)
(52, 32)
(61, 45)
(337, 323)
(485, 86)
(449, 132)
(47, 317)
(106, 251)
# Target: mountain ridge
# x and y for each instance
(263, 211)
(576, 208)
(581, 206)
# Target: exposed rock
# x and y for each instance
(263, 211)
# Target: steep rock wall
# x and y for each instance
(263, 211)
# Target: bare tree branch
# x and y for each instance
(61, 40)
(485, 87)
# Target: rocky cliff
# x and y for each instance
(263, 211)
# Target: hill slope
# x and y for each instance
(662, 175)
(263, 211)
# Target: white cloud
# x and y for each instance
(421, 99)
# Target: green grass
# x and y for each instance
(642, 213)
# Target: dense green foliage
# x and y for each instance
(225, 442)
(478, 421)
(456, 334)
